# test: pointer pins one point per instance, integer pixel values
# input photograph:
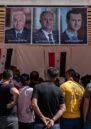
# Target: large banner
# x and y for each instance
(46, 25)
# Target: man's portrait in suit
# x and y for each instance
(46, 33)
(17, 31)
(74, 25)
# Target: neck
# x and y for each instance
(48, 31)
(6, 81)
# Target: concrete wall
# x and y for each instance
(45, 2)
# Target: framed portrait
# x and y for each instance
(73, 25)
(45, 25)
(18, 25)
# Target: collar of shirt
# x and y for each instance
(46, 34)
(19, 32)
(69, 34)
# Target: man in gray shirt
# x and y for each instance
(87, 107)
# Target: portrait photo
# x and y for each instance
(73, 25)
(18, 25)
(45, 25)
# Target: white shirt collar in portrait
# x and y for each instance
(47, 33)
(70, 34)
(19, 32)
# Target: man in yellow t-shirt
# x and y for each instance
(73, 93)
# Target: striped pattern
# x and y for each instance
(2, 23)
(89, 25)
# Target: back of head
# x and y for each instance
(34, 76)
(24, 79)
(70, 73)
(85, 80)
(77, 77)
(53, 72)
(7, 74)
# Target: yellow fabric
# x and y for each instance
(73, 96)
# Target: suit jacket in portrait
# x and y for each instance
(65, 39)
(10, 36)
(40, 38)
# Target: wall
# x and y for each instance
(28, 58)
(46, 2)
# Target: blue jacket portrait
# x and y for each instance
(65, 39)
(10, 36)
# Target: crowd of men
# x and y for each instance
(29, 102)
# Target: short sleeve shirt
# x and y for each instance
(49, 99)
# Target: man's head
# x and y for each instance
(70, 74)
(74, 20)
(34, 77)
(24, 79)
(19, 19)
(47, 20)
(53, 73)
(7, 75)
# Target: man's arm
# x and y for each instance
(38, 112)
(59, 113)
(15, 94)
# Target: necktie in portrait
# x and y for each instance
(18, 36)
(50, 39)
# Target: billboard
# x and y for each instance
(46, 25)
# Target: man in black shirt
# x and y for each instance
(8, 100)
(48, 102)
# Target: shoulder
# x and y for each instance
(66, 86)
(38, 32)
(64, 33)
(63, 85)
(88, 87)
(10, 30)
(26, 30)
(64, 36)
(55, 32)
(30, 89)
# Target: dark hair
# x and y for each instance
(41, 15)
(77, 77)
(41, 80)
(24, 78)
(71, 73)
(85, 80)
(53, 72)
(7, 74)
(34, 76)
(74, 11)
